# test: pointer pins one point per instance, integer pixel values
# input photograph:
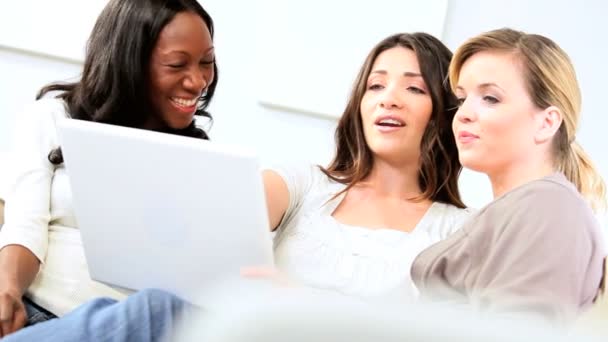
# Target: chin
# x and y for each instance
(476, 160)
(179, 125)
(474, 164)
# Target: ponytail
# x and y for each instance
(578, 168)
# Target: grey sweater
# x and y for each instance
(537, 249)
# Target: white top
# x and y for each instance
(310, 245)
(313, 248)
(40, 217)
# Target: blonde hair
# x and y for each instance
(551, 81)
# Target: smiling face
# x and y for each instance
(396, 106)
(496, 126)
(181, 68)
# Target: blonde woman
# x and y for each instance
(537, 248)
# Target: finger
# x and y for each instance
(6, 314)
(267, 273)
(259, 272)
(20, 318)
(6, 326)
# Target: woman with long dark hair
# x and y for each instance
(150, 64)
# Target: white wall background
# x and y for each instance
(58, 27)
(313, 70)
(285, 135)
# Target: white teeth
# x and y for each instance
(391, 122)
(184, 102)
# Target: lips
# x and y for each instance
(184, 102)
(466, 137)
(389, 121)
(184, 105)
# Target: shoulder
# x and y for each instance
(550, 206)
(553, 195)
(36, 123)
(42, 113)
(48, 106)
(445, 219)
(450, 212)
(304, 175)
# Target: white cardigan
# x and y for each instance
(40, 217)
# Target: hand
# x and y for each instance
(12, 312)
(268, 273)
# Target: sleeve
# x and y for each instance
(542, 258)
(27, 208)
(299, 180)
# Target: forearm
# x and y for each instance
(18, 268)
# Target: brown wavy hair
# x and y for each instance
(439, 165)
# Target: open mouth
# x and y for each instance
(390, 122)
(184, 103)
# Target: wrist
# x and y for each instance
(11, 287)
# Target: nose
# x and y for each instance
(464, 113)
(197, 79)
(390, 98)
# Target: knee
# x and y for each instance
(156, 298)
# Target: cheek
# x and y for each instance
(502, 132)
(210, 76)
(422, 112)
(155, 98)
(157, 92)
(366, 108)
(155, 80)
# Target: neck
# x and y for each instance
(152, 124)
(393, 181)
(512, 176)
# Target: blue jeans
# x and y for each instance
(148, 315)
(35, 313)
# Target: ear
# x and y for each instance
(548, 122)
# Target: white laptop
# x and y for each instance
(163, 211)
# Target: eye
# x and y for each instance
(207, 62)
(416, 90)
(375, 87)
(490, 99)
(176, 65)
(460, 101)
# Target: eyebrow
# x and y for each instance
(484, 86)
(406, 74)
(208, 51)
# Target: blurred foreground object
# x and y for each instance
(301, 314)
